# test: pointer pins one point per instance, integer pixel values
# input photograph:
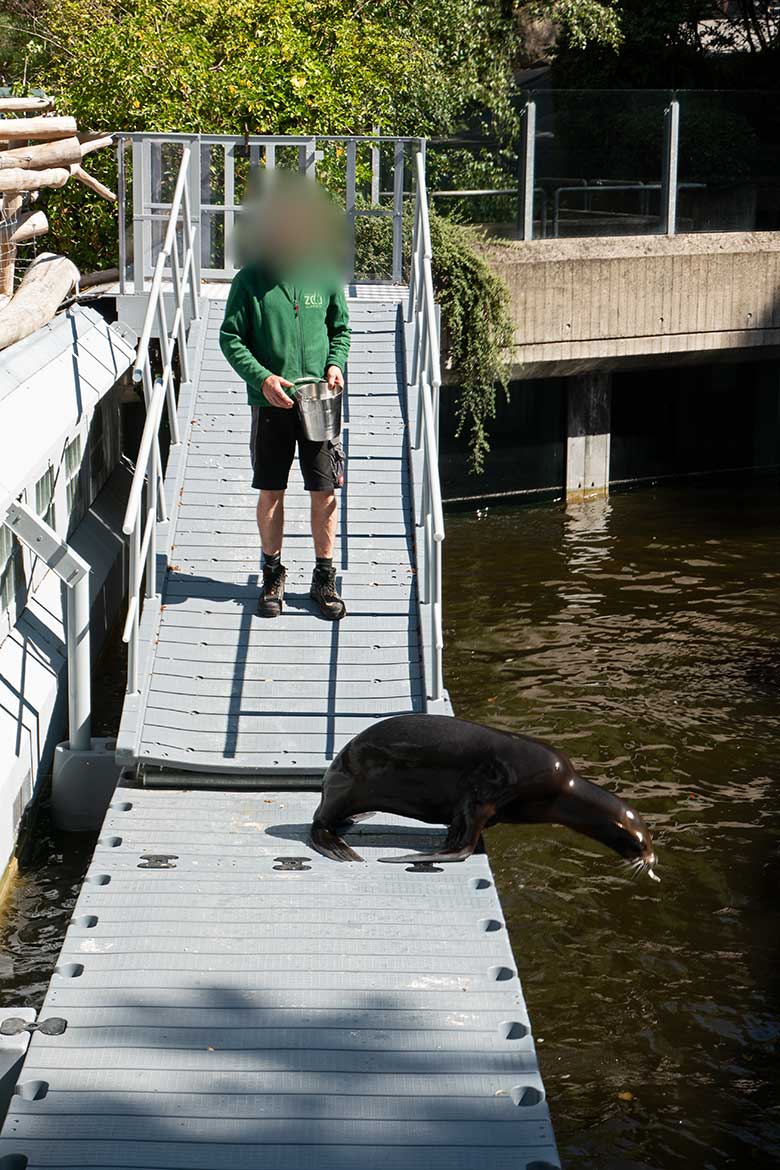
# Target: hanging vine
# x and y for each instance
(476, 325)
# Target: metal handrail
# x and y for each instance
(425, 377)
(146, 501)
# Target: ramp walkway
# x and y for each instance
(225, 997)
(226, 692)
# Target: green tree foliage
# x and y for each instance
(427, 67)
(226, 65)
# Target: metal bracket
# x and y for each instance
(15, 1025)
(42, 540)
(158, 861)
(292, 864)
(424, 867)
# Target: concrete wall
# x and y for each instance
(586, 304)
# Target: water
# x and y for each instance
(642, 638)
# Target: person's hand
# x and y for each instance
(334, 377)
(274, 394)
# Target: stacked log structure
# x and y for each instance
(38, 150)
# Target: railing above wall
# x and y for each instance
(355, 168)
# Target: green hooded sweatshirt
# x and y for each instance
(275, 327)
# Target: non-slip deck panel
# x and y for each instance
(226, 691)
(229, 1013)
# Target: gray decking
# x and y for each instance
(227, 691)
(228, 1013)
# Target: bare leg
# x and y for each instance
(270, 521)
(323, 522)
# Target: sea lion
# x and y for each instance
(448, 771)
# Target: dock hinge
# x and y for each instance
(15, 1025)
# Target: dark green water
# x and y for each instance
(643, 637)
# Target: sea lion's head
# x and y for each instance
(587, 808)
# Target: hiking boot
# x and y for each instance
(323, 590)
(269, 603)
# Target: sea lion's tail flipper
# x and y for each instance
(329, 844)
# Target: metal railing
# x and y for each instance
(146, 502)
(220, 164)
(669, 184)
(425, 377)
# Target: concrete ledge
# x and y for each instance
(589, 304)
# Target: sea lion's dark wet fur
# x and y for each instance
(447, 771)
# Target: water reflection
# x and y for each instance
(641, 636)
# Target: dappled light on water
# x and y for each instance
(641, 636)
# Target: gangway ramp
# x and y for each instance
(226, 691)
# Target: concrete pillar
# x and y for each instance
(588, 435)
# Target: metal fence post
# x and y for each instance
(525, 205)
(670, 168)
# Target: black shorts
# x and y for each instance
(275, 432)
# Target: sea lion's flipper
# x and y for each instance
(329, 844)
(412, 858)
(353, 818)
(463, 835)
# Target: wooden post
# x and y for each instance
(11, 206)
(588, 438)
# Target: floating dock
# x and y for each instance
(225, 997)
(232, 999)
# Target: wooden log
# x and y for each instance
(26, 105)
(45, 285)
(11, 207)
(104, 276)
(19, 180)
(62, 152)
(29, 227)
(41, 129)
(88, 144)
(93, 183)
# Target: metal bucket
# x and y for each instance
(320, 408)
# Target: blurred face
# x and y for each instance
(289, 223)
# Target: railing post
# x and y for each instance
(525, 205)
(670, 168)
(350, 201)
(79, 666)
(192, 203)
(138, 216)
(121, 185)
(307, 158)
(375, 165)
(230, 201)
(398, 211)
